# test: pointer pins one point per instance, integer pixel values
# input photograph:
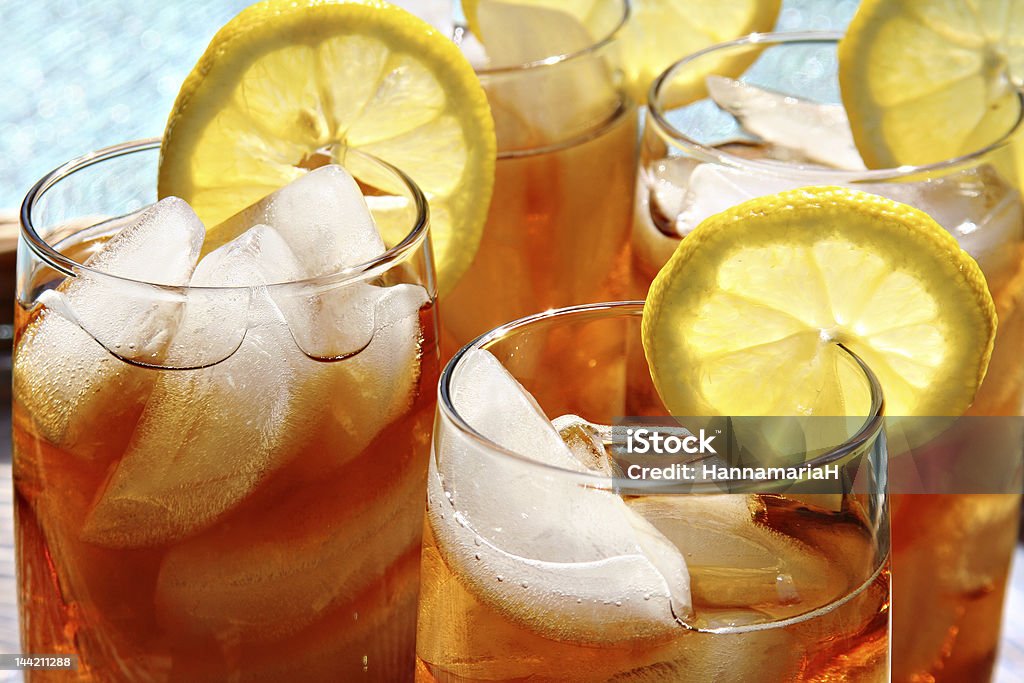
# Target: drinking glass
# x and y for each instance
(216, 483)
(557, 233)
(544, 562)
(711, 142)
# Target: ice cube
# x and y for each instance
(471, 47)
(736, 562)
(169, 229)
(286, 560)
(660, 192)
(713, 188)
(586, 441)
(817, 132)
(379, 382)
(552, 32)
(328, 227)
(65, 375)
(974, 205)
(578, 94)
(565, 560)
(208, 435)
(323, 218)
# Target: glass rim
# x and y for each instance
(554, 60)
(393, 256)
(869, 430)
(782, 168)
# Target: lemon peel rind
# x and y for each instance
(709, 245)
(867, 139)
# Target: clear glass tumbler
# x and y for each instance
(216, 483)
(558, 229)
(544, 562)
(761, 115)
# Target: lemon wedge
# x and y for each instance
(657, 33)
(287, 80)
(748, 315)
(924, 81)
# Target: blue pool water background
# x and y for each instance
(79, 75)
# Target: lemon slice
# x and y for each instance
(658, 33)
(287, 80)
(748, 315)
(924, 81)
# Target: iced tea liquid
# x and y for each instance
(312, 576)
(557, 233)
(742, 630)
(951, 552)
(935, 536)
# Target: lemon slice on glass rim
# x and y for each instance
(286, 80)
(657, 33)
(748, 315)
(924, 81)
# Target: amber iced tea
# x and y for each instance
(242, 499)
(535, 567)
(951, 553)
(557, 232)
(469, 638)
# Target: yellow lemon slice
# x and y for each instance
(748, 315)
(657, 34)
(924, 81)
(286, 80)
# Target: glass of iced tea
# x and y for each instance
(546, 558)
(221, 439)
(558, 229)
(763, 115)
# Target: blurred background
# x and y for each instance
(84, 74)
